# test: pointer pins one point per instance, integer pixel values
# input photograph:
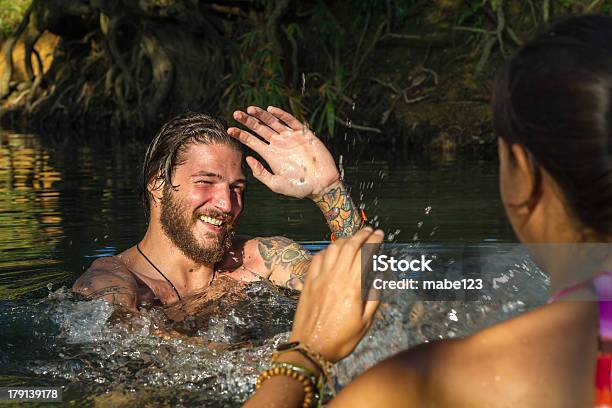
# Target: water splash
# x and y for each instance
(217, 364)
(403, 321)
(213, 359)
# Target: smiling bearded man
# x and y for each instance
(193, 183)
(178, 226)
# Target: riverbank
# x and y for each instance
(401, 73)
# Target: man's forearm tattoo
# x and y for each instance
(343, 217)
(281, 252)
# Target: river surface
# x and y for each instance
(63, 205)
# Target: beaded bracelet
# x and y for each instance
(299, 373)
(317, 359)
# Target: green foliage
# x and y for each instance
(326, 100)
(261, 77)
(11, 13)
(257, 74)
(341, 45)
(324, 82)
(473, 9)
(327, 25)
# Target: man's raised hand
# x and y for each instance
(301, 164)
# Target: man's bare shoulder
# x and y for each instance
(108, 278)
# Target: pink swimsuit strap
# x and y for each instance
(602, 282)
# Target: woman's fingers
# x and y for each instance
(368, 311)
(315, 266)
(351, 250)
(368, 249)
(331, 316)
(362, 264)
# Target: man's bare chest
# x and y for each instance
(243, 262)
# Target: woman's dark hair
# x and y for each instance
(554, 97)
(168, 147)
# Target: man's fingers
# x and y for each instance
(286, 117)
(249, 140)
(267, 118)
(257, 126)
(261, 174)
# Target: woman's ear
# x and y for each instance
(517, 176)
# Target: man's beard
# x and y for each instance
(178, 225)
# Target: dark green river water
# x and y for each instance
(61, 206)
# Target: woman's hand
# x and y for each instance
(332, 315)
(301, 164)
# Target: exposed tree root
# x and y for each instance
(120, 62)
(131, 64)
(7, 53)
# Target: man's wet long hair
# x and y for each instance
(167, 149)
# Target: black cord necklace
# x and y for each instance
(160, 272)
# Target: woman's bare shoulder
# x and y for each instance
(510, 359)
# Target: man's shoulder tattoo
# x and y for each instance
(287, 254)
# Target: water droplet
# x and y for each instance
(427, 209)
